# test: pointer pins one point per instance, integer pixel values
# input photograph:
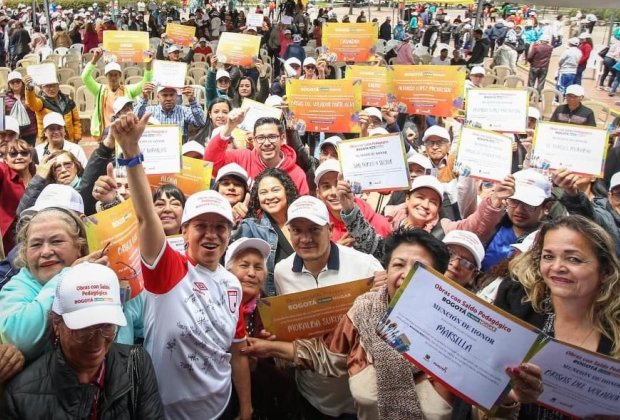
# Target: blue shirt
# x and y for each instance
(181, 115)
(499, 248)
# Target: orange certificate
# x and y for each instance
(195, 176)
(429, 90)
(118, 227)
(238, 49)
(376, 83)
(311, 313)
(180, 34)
(330, 106)
(127, 46)
(350, 41)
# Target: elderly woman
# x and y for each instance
(378, 375)
(15, 174)
(51, 241)
(15, 94)
(54, 129)
(568, 286)
(52, 100)
(421, 211)
(86, 375)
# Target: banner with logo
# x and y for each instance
(376, 83)
(127, 46)
(350, 41)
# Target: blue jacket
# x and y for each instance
(262, 229)
(24, 307)
(295, 50)
(133, 310)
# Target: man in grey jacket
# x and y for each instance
(567, 66)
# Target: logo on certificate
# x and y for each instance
(233, 300)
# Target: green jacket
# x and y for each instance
(100, 92)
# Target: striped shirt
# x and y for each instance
(181, 115)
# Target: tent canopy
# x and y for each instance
(580, 4)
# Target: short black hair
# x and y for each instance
(268, 120)
(437, 249)
(478, 31)
(171, 191)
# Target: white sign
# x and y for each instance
(256, 110)
(255, 20)
(484, 154)
(498, 109)
(161, 146)
(43, 74)
(169, 73)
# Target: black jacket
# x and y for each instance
(480, 51)
(48, 388)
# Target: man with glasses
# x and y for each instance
(437, 142)
(466, 255)
(270, 150)
(526, 210)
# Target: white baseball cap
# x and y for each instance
(584, 35)
(204, 202)
(221, 73)
(193, 146)
(242, 244)
(309, 61)
(14, 75)
(309, 208)
(427, 181)
(531, 187)
(374, 112)
(420, 159)
(510, 24)
(89, 294)
(533, 112)
(112, 66)
(545, 38)
(527, 242)
(173, 48)
(232, 169)
(614, 181)
(574, 41)
(330, 165)
(119, 103)
(377, 131)
(53, 118)
(11, 124)
(333, 140)
(576, 90)
(469, 241)
(436, 130)
(477, 70)
(293, 60)
(57, 195)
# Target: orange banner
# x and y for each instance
(429, 90)
(180, 34)
(238, 49)
(350, 41)
(376, 83)
(311, 313)
(117, 228)
(330, 106)
(127, 46)
(195, 176)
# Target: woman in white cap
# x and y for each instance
(310, 71)
(106, 94)
(52, 100)
(15, 105)
(54, 131)
(86, 375)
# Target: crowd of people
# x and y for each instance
(542, 245)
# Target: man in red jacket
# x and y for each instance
(270, 151)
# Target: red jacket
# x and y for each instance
(380, 223)
(11, 190)
(218, 153)
(586, 49)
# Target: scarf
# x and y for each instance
(396, 394)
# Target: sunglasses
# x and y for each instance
(22, 153)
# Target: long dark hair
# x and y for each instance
(254, 209)
(237, 97)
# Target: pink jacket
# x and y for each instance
(380, 223)
(218, 153)
(404, 54)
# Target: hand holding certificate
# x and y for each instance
(180, 34)
(502, 110)
(161, 146)
(484, 154)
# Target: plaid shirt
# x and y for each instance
(181, 115)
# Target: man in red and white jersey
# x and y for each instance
(193, 327)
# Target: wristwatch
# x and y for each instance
(130, 163)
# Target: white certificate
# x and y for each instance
(577, 382)
(375, 163)
(256, 110)
(498, 109)
(161, 147)
(169, 73)
(255, 20)
(286, 20)
(578, 148)
(42, 74)
(484, 154)
(453, 335)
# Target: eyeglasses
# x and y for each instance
(272, 138)
(512, 203)
(22, 153)
(436, 143)
(84, 335)
(463, 263)
(66, 165)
